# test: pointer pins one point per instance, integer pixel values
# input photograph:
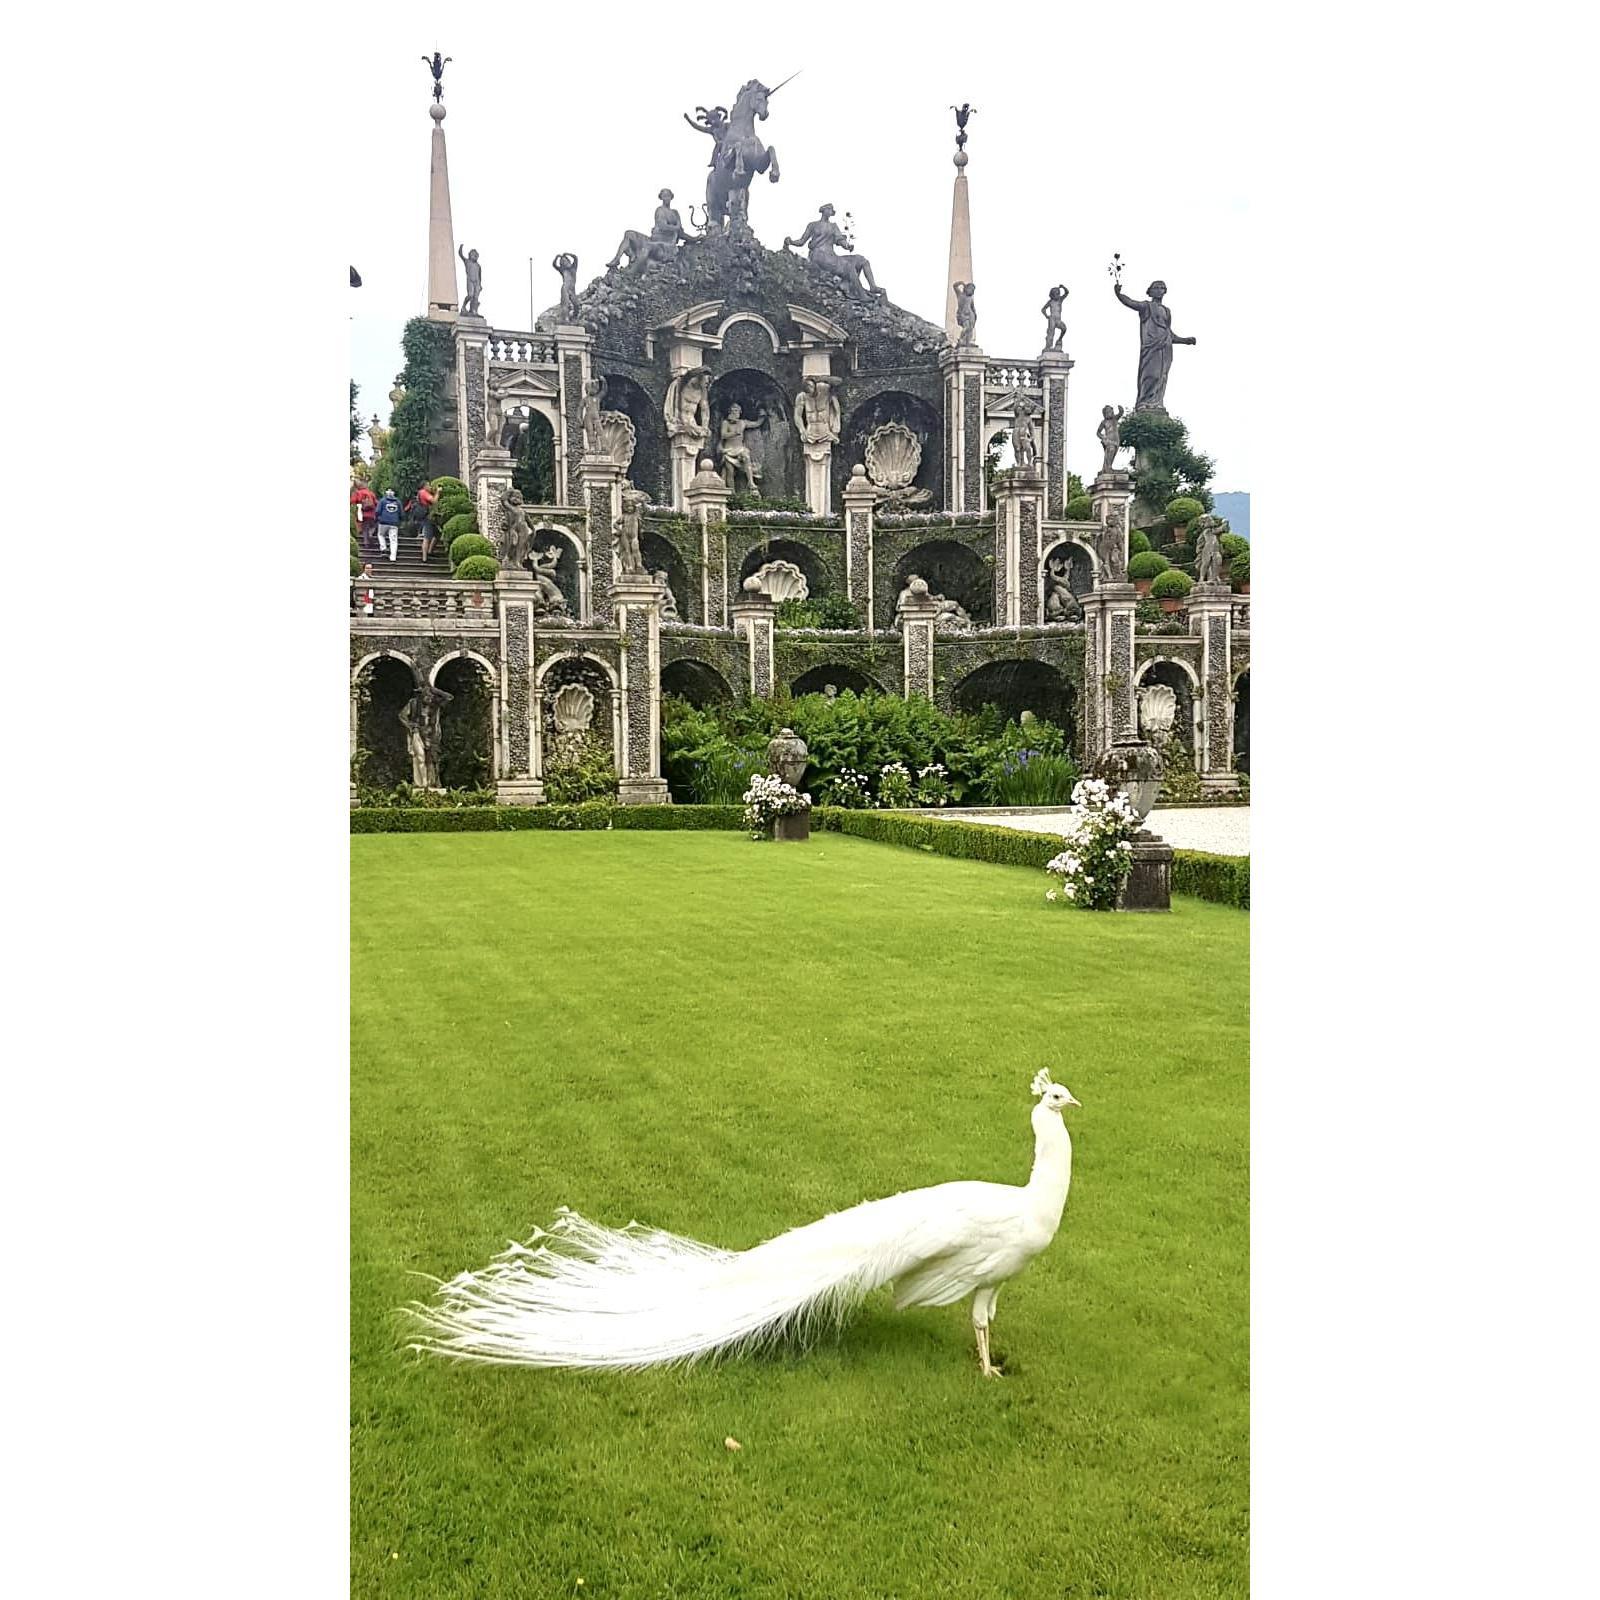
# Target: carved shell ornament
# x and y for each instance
(573, 706)
(893, 455)
(618, 438)
(783, 580)
(1158, 710)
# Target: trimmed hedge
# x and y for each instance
(1080, 508)
(469, 544)
(1138, 542)
(1171, 585)
(1184, 510)
(477, 569)
(1147, 564)
(1225, 879)
(462, 523)
(517, 819)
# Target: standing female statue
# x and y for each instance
(1156, 340)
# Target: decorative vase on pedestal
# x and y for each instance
(1134, 767)
(795, 827)
(787, 756)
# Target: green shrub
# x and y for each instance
(1233, 545)
(1081, 509)
(1178, 554)
(469, 544)
(477, 569)
(355, 566)
(453, 527)
(744, 501)
(1225, 879)
(1172, 585)
(596, 815)
(1138, 542)
(452, 504)
(1239, 570)
(819, 611)
(1184, 510)
(444, 484)
(582, 771)
(1147, 564)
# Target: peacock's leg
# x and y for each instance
(982, 1306)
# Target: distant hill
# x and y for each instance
(1235, 506)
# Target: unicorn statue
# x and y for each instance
(737, 154)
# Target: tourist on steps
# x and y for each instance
(389, 523)
(366, 504)
(426, 532)
(362, 592)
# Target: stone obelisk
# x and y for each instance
(960, 270)
(443, 300)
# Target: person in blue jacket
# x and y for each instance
(389, 523)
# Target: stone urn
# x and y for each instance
(787, 756)
(1134, 767)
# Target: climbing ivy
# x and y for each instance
(430, 354)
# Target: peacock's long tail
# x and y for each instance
(583, 1295)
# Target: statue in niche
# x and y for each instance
(817, 415)
(593, 434)
(1055, 330)
(1060, 603)
(1024, 442)
(669, 604)
(469, 306)
(1156, 340)
(951, 617)
(1112, 547)
(737, 155)
(422, 717)
(567, 265)
(1207, 550)
(966, 312)
(735, 452)
(545, 563)
(687, 407)
(660, 244)
(821, 240)
(1109, 433)
(627, 532)
(517, 539)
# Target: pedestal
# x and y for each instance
(1108, 615)
(574, 345)
(963, 367)
(600, 490)
(492, 482)
(1018, 515)
(1111, 495)
(1149, 885)
(752, 622)
(706, 500)
(1211, 616)
(1054, 365)
(916, 637)
(819, 479)
(860, 499)
(794, 828)
(519, 792)
(638, 607)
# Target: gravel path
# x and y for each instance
(1223, 830)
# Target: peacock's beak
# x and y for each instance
(1072, 1099)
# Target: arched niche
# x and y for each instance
(383, 687)
(661, 555)
(603, 729)
(534, 470)
(1017, 686)
(569, 568)
(954, 570)
(802, 555)
(467, 723)
(818, 680)
(1241, 722)
(893, 405)
(1080, 576)
(1181, 681)
(648, 469)
(696, 682)
(773, 446)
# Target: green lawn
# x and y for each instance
(727, 1039)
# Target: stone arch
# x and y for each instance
(1180, 677)
(801, 554)
(893, 405)
(380, 687)
(662, 555)
(648, 469)
(952, 569)
(1081, 577)
(469, 741)
(1021, 684)
(534, 470)
(570, 573)
(816, 680)
(1241, 722)
(750, 316)
(698, 682)
(773, 447)
(596, 675)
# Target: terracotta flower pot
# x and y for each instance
(1169, 604)
(1142, 585)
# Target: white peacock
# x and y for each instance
(573, 706)
(783, 580)
(894, 453)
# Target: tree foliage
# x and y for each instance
(1168, 467)
(430, 354)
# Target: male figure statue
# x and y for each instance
(567, 265)
(593, 388)
(966, 312)
(735, 452)
(1055, 330)
(1109, 434)
(469, 306)
(518, 535)
(421, 717)
(627, 531)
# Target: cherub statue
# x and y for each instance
(966, 312)
(1208, 550)
(1024, 442)
(1109, 433)
(469, 259)
(1060, 603)
(518, 536)
(593, 389)
(567, 265)
(627, 531)
(1055, 330)
(735, 452)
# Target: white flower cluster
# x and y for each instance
(1099, 851)
(769, 797)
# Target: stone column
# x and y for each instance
(638, 610)
(600, 493)
(1108, 715)
(1018, 516)
(706, 501)
(493, 480)
(1054, 365)
(1211, 616)
(517, 782)
(752, 621)
(963, 368)
(859, 500)
(574, 346)
(472, 394)
(916, 635)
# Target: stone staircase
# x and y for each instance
(408, 562)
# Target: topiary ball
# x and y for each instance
(451, 505)
(1184, 510)
(1233, 545)
(1239, 569)
(1147, 564)
(1138, 541)
(1080, 509)
(445, 484)
(1171, 585)
(458, 525)
(478, 569)
(469, 544)
(355, 566)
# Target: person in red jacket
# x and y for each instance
(367, 503)
(426, 530)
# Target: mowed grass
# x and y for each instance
(728, 1039)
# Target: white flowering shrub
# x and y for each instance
(933, 785)
(1091, 871)
(894, 785)
(767, 798)
(848, 789)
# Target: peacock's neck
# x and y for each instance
(1052, 1165)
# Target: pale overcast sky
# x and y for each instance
(1089, 137)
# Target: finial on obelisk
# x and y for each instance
(436, 65)
(962, 113)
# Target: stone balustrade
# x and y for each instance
(1000, 374)
(428, 600)
(522, 349)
